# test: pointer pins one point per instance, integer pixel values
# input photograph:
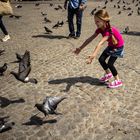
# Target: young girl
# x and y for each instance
(113, 50)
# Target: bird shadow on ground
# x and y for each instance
(71, 81)
(50, 36)
(134, 33)
(4, 102)
(35, 120)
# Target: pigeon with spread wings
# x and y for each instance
(24, 69)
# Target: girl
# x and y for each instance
(113, 50)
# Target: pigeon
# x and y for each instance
(129, 14)
(56, 25)
(51, 4)
(43, 14)
(56, 8)
(48, 31)
(93, 11)
(3, 69)
(126, 30)
(49, 105)
(6, 126)
(60, 24)
(18, 6)
(60, 7)
(1, 52)
(24, 70)
(17, 17)
(47, 20)
(37, 4)
(119, 12)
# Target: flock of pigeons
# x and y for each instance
(49, 104)
(122, 5)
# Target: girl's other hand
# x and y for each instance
(77, 51)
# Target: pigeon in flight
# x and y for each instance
(49, 105)
(48, 31)
(24, 69)
(3, 69)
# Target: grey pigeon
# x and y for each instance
(3, 69)
(48, 31)
(6, 126)
(1, 52)
(126, 30)
(24, 69)
(49, 105)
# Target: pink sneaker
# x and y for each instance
(106, 77)
(114, 84)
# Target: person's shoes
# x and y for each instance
(71, 36)
(106, 77)
(115, 84)
(77, 36)
(6, 38)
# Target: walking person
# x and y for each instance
(4, 30)
(75, 7)
(113, 50)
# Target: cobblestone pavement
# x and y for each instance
(91, 111)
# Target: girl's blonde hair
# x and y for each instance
(103, 14)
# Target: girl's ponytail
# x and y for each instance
(114, 40)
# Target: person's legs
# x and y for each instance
(112, 68)
(7, 37)
(3, 27)
(70, 21)
(102, 59)
(79, 14)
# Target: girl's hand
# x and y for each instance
(89, 59)
(77, 51)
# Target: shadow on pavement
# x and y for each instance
(73, 80)
(4, 102)
(135, 33)
(35, 120)
(50, 36)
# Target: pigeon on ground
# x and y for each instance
(48, 31)
(24, 70)
(17, 16)
(51, 4)
(47, 20)
(18, 6)
(37, 4)
(93, 11)
(43, 14)
(3, 69)
(126, 30)
(60, 24)
(49, 105)
(6, 126)
(1, 52)
(56, 25)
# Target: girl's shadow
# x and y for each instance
(73, 80)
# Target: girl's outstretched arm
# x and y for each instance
(97, 48)
(77, 51)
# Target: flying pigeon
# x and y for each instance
(24, 69)
(49, 105)
(3, 69)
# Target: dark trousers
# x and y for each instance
(3, 27)
(78, 13)
(110, 63)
